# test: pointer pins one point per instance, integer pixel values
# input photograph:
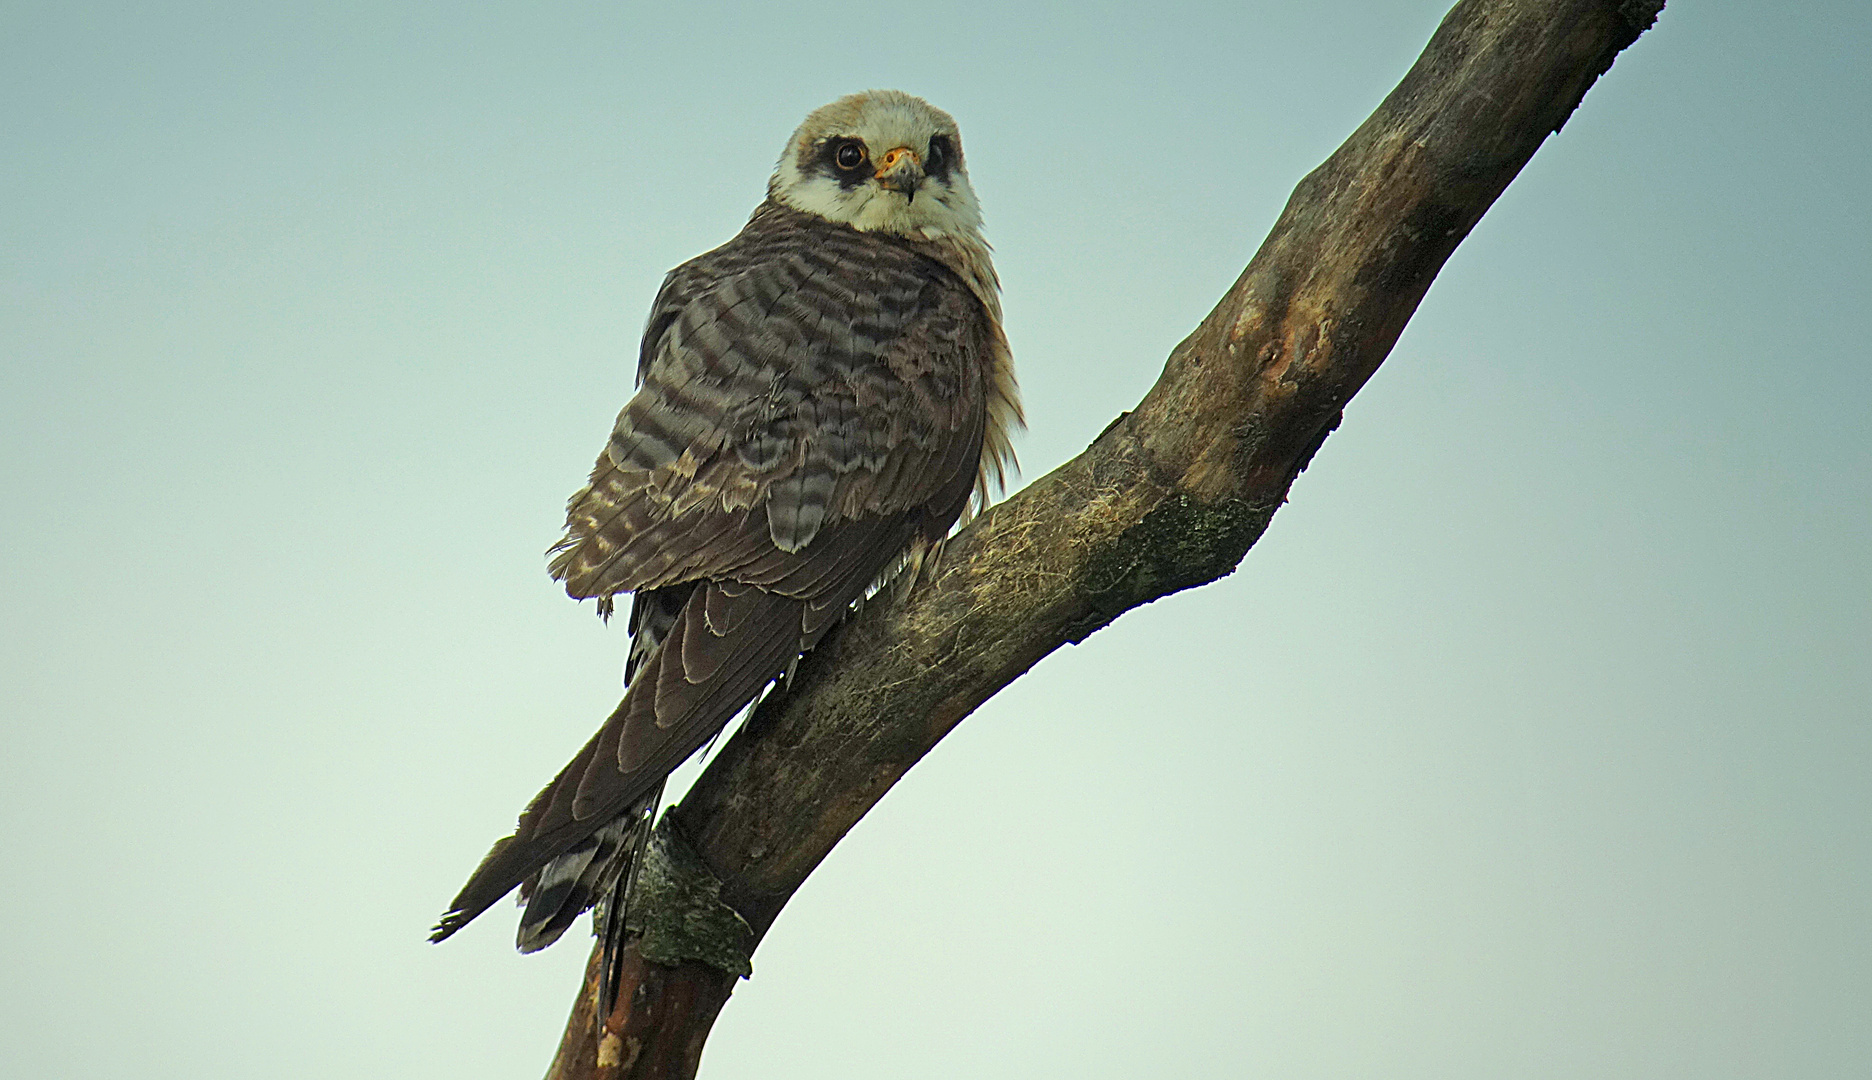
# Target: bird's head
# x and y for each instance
(880, 161)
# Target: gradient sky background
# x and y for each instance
(1534, 740)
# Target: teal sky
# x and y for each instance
(1534, 740)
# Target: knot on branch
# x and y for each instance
(677, 908)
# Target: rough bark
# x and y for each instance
(1170, 496)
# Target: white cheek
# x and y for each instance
(821, 196)
(938, 210)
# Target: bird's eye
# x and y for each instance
(849, 156)
(938, 152)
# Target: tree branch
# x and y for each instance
(1170, 496)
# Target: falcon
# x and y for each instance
(820, 400)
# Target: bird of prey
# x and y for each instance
(819, 401)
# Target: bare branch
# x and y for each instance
(1171, 496)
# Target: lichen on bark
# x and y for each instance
(678, 910)
(1181, 543)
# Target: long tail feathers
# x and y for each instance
(597, 874)
(557, 892)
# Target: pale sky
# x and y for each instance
(1534, 740)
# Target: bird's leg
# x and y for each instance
(618, 909)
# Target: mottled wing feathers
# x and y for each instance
(811, 406)
(806, 369)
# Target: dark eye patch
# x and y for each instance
(941, 157)
(845, 159)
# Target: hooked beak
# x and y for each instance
(901, 170)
